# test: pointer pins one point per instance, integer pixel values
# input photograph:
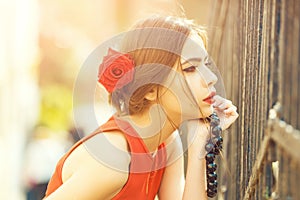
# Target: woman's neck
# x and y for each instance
(154, 127)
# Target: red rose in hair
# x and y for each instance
(116, 70)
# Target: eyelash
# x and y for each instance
(190, 69)
(207, 63)
(193, 68)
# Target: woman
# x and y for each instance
(159, 81)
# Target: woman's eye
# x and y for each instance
(208, 63)
(190, 69)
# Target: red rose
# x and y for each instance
(116, 70)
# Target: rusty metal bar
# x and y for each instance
(287, 138)
(256, 170)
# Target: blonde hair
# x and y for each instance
(154, 31)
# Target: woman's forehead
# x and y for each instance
(193, 48)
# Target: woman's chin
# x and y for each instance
(207, 112)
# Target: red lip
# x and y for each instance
(210, 99)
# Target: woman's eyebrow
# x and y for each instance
(191, 59)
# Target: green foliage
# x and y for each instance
(55, 107)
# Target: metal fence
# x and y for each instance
(256, 44)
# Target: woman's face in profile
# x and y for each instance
(194, 71)
(201, 80)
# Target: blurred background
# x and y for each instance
(255, 44)
(43, 44)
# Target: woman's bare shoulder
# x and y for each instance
(97, 169)
(106, 150)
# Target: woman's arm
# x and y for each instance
(173, 185)
(194, 186)
(195, 182)
(90, 182)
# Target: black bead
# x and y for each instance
(218, 147)
(212, 176)
(210, 157)
(216, 131)
(209, 146)
(210, 170)
(218, 140)
(212, 185)
(214, 116)
(211, 194)
(216, 150)
(214, 190)
(214, 122)
(211, 167)
(214, 119)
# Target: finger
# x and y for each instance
(218, 100)
(230, 110)
(226, 122)
(221, 102)
(224, 105)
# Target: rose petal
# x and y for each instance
(116, 70)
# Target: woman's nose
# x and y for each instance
(209, 77)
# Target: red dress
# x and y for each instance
(145, 173)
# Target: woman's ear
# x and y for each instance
(151, 95)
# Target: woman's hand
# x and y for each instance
(226, 111)
(198, 130)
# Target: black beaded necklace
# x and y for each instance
(213, 147)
